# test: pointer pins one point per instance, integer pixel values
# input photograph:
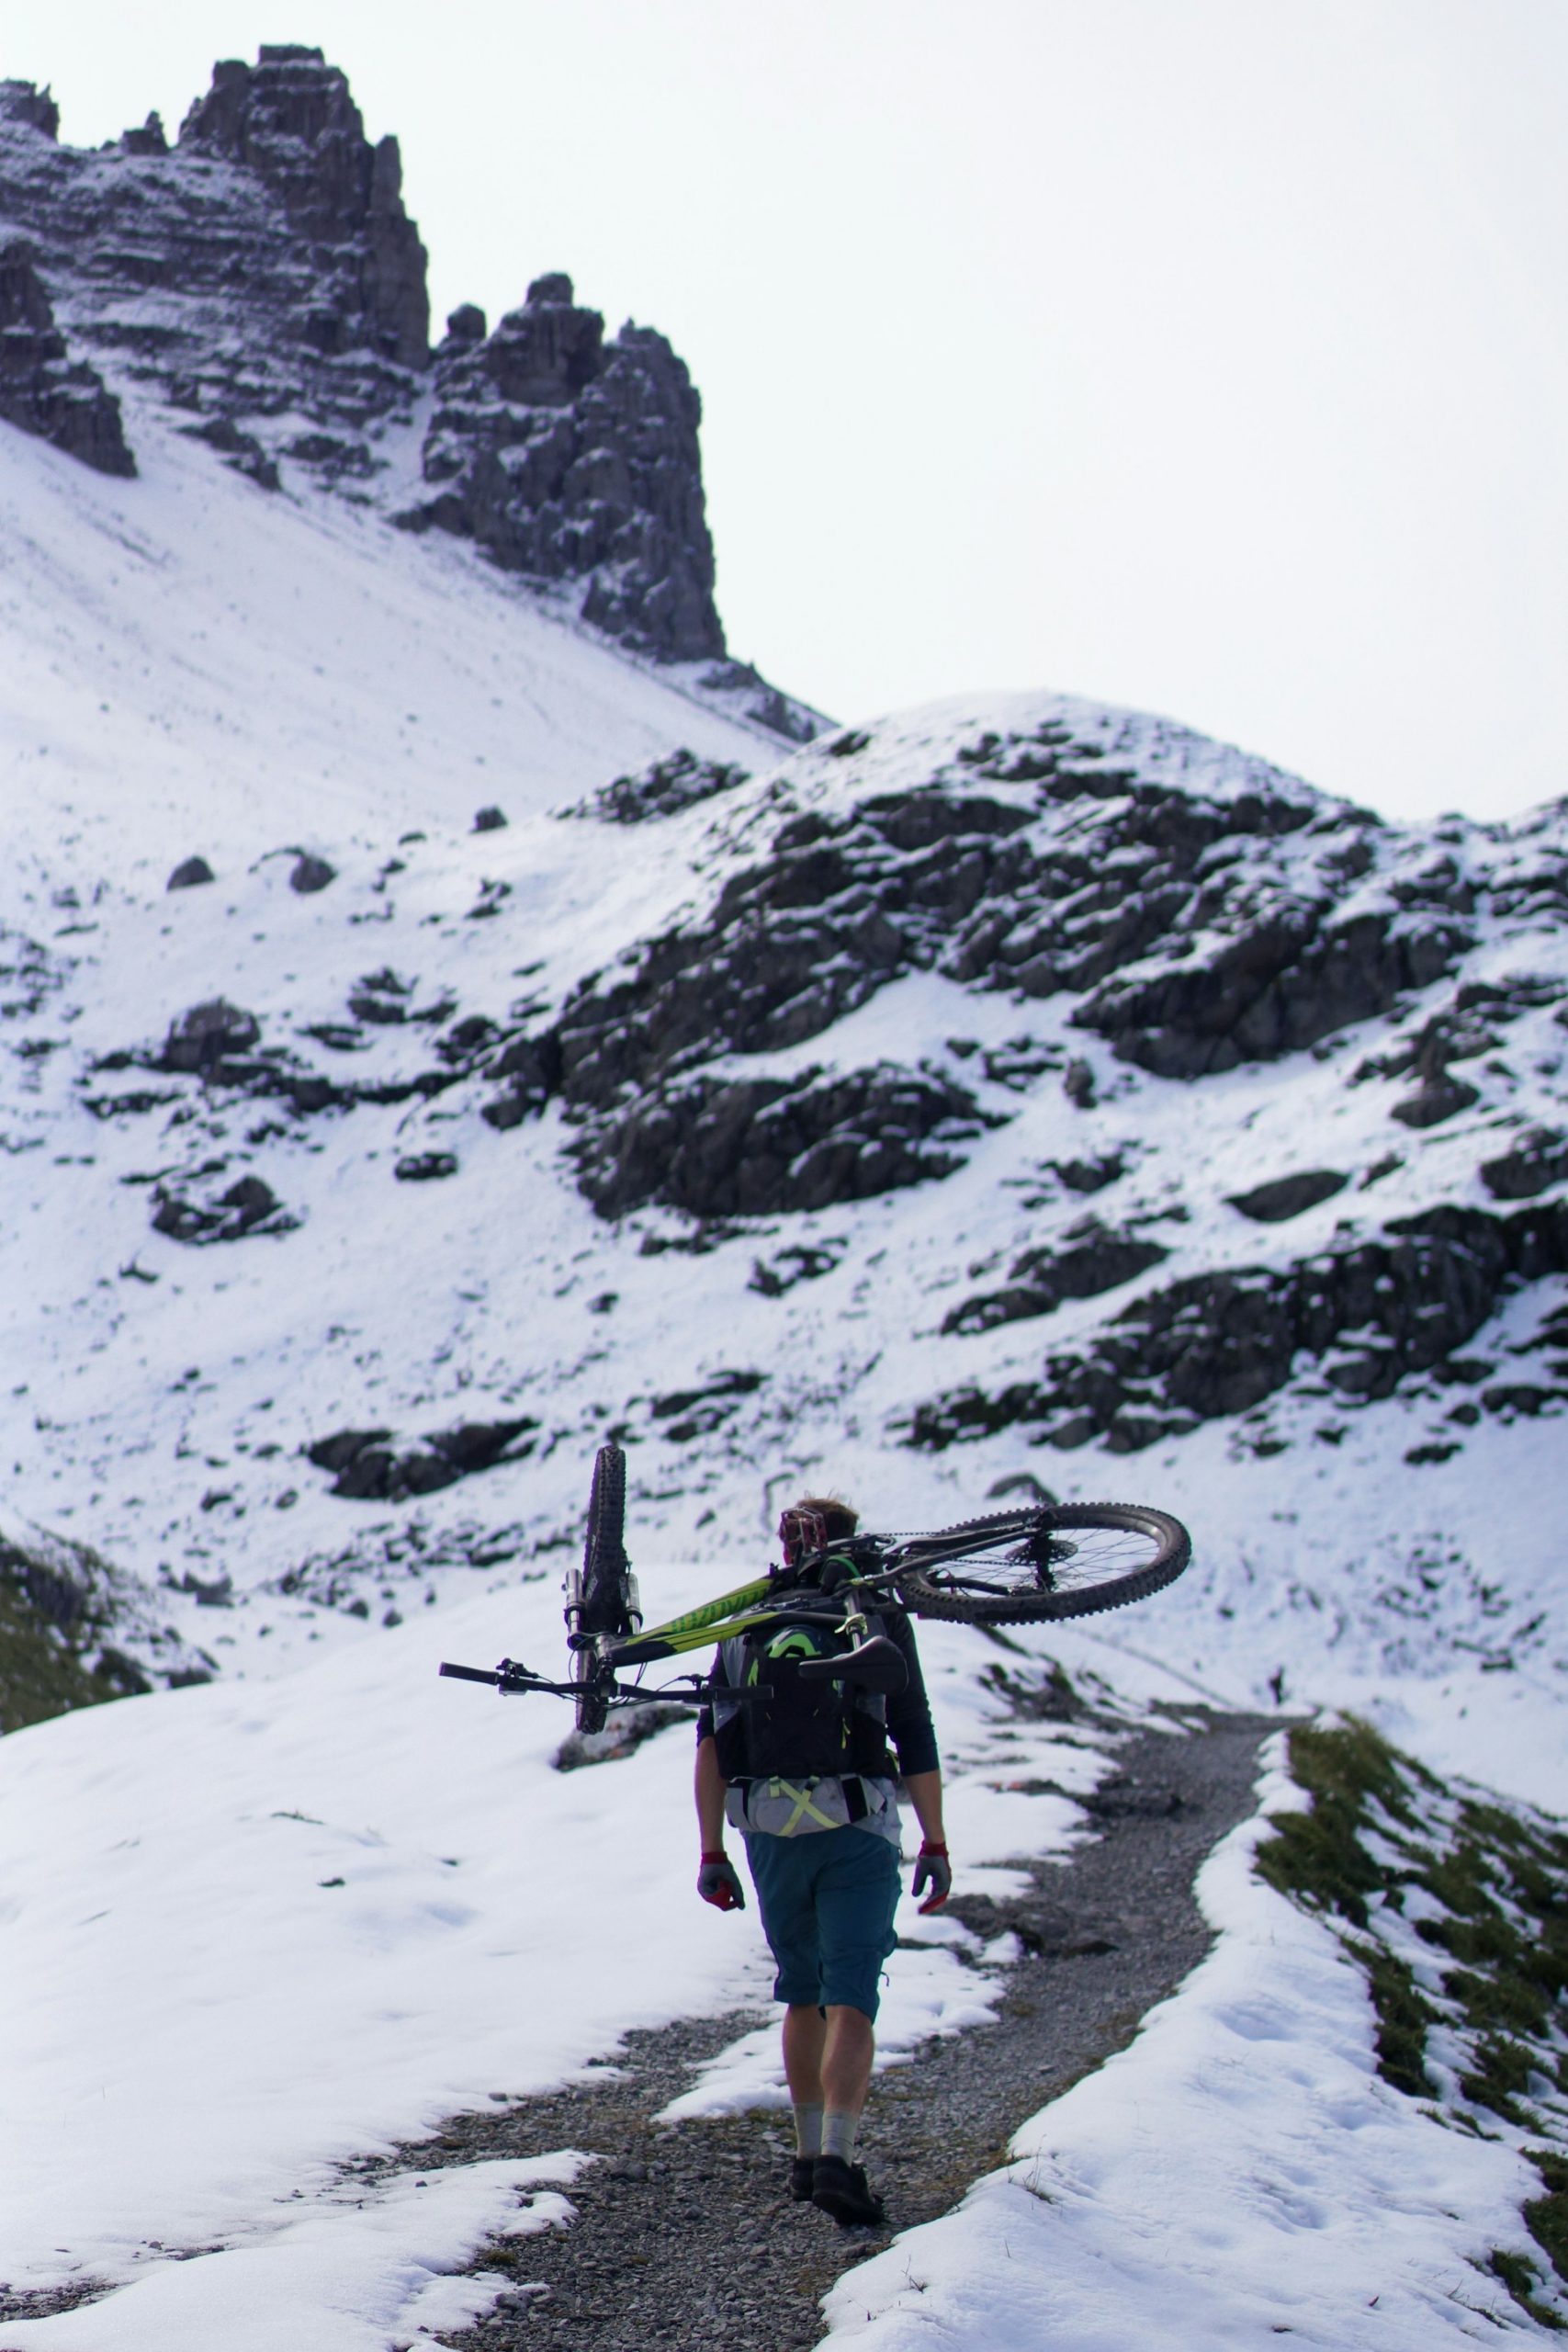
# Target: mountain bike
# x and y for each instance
(1016, 1567)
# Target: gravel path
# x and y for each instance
(687, 2234)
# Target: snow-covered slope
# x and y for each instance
(909, 1113)
(1007, 1095)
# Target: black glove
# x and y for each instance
(932, 1870)
(717, 1884)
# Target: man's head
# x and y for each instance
(814, 1522)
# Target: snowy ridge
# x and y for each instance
(1008, 1096)
(920, 1049)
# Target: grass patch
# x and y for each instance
(42, 1672)
(1546, 2218)
(1499, 1883)
(1522, 2278)
(1318, 1857)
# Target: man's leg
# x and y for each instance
(804, 2036)
(782, 1871)
(849, 2046)
(856, 1893)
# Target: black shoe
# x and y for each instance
(840, 2189)
(803, 2178)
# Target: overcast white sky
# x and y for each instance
(1210, 356)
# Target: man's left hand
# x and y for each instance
(932, 1870)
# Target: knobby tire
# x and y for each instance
(605, 1566)
(1062, 1560)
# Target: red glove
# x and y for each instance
(933, 1869)
(717, 1884)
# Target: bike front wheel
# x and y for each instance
(1062, 1560)
(604, 1572)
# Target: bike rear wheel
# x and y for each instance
(603, 1608)
(1024, 1568)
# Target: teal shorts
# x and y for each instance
(826, 1902)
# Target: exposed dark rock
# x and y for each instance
(757, 1147)
(209, 1033)
(1078, 1084)
(289, 118)
(262, 279)
(836, 910)
(242, 452)
(189, 874)
(773, 1278)
(1288, 1196)
(1289, 979)
(24, 102)
(152, 139)
(262, 273)
(1093, 1260)
(367, 1466)
(566, 458)
(311, 873)
(1537, 1162)
(1089, 1175)
(665, 787)
(247, 1207)
(1440, 1098)
(531, 1068)
(64, 400)
(425, 1166)
(689, 1413)
(1219, 1344)
(488, 820)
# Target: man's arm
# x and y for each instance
(716, 1880)
(709, 1790)
(925, 1795)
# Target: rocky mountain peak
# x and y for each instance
(562, 455)
(262, 284)
(24, 102)
(292, 120)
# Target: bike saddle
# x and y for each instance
(877, 1665)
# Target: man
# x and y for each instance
(807, 1776)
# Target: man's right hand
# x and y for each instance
(717, 1884)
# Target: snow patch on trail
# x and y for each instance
(370, 2274)
(1240, 2171)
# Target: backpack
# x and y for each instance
(807, 1729)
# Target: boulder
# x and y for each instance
(311, 873)
(369, 1466)
(1092, 1259)
(425, 1166)
(190, 873)
(1537, 1162)
(247, 1207)
(207, 1035)
(1286, 1196)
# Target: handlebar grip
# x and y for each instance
(469, 1673)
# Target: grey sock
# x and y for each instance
(839, 2133)
(807, 2129)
